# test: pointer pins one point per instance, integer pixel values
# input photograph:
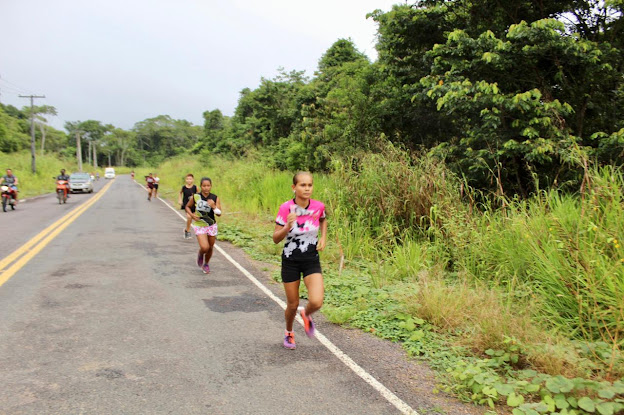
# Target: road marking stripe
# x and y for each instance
(335, 350)
(24, 248)
(30, 249)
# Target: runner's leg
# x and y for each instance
(204, 245)
(292, 302)
(188, 222)
(316, 292)
(211, 242)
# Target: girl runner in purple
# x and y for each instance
(299, 221)
(203, 208)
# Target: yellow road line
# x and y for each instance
(29, 250)
(24, 248)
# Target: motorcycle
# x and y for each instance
(8, 197)
(62, 188)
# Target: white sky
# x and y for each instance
(121, 62)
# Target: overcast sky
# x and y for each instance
(121, 62)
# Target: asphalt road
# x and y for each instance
(114, 317)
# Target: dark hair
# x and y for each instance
(300, 173)
(203, 179)
(190, 175)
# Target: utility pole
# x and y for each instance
(95, 165)
(32, 128)
(78, 150)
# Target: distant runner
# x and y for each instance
(187, 192)
(206, 205)
(299, 221)
(149, 180)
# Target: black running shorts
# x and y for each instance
(293, 269)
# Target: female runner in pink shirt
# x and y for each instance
(299, 221)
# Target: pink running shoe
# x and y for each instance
(289, 340)
(206, 269)
(200, 259)
(308, 324)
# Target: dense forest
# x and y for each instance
(514, 96)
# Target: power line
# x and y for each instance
(14, 85)
(11, 87)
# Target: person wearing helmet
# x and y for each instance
(64, 176)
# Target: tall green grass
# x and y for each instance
(566, 250)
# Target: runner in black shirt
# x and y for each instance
(187, 191)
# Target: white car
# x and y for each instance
(109, 173)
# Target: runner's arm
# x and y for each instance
(323, 235)
(189, 205)
(281, 231)
(216, 206)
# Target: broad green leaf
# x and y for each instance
(504, 389)
(587, 404)
(559, 384)
(417, 335)
(490, 391)
(550, 403)
(606, 393)
(515, 400)
(606, 408)
(561, 402)
(409, 325)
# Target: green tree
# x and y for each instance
(505, 91)
(13, 137)
(162, 136)
(214, 126)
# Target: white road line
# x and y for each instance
(344, 358)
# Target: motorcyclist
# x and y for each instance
(10, 181)
(65, 177)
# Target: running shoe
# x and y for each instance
(308, 324)
(200, 259)
(206, 269)
(187, 235)
(289, 340)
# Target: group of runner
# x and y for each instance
(301, 222)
